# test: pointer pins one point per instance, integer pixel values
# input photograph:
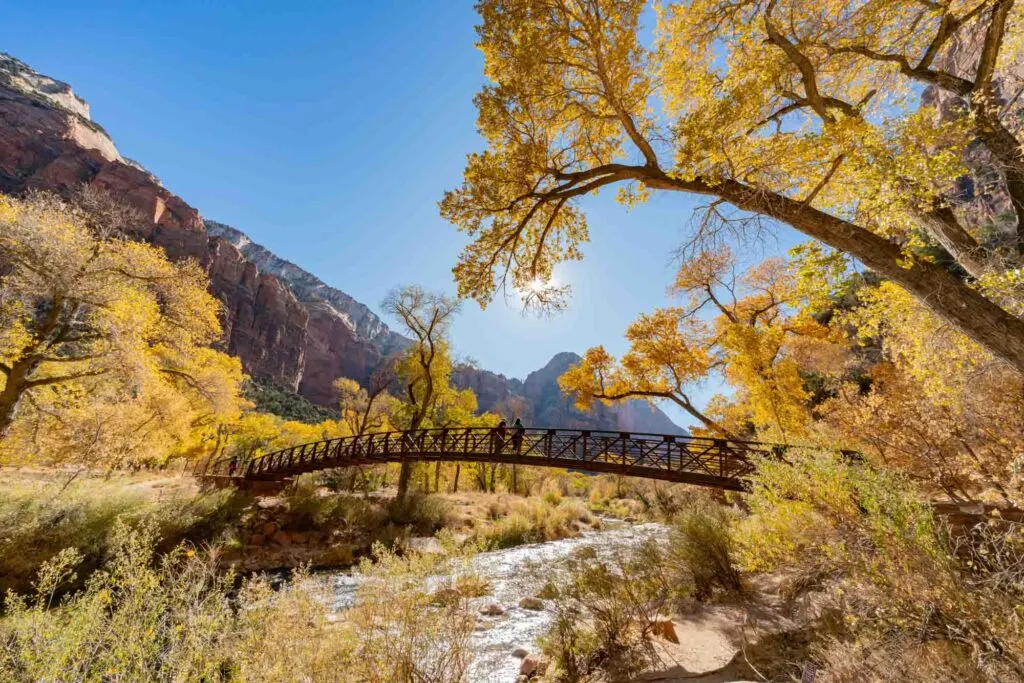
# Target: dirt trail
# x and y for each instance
(713, 638)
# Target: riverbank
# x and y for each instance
(45, 511)
(785, 580)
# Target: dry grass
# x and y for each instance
(40, 515)
(512, 521)
(605, 606)
(174, 618)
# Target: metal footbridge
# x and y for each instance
(718, 463)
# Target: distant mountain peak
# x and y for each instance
(540, 402)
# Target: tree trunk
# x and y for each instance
(455, 483)
(515, 481)
(403, 479)
(944, 228)
(949, 298)
(14, 390)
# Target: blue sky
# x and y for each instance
(328, 131)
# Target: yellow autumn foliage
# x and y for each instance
(106, 353)
(803, 112)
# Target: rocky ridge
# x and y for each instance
(541, 403)
(287, 326)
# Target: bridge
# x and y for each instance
(717, 463)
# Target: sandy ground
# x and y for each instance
(713, 639)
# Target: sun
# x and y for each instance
(538, 285)
(543, 295)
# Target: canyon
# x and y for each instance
(289, 328)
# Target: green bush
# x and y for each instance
(270, 398)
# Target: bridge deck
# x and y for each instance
(719, 463)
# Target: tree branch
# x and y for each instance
(60, 379)
(679, 399)
(836, 163)
(990, 48)
(802, 63)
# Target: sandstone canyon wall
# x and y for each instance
(48, 142)
(287, 326)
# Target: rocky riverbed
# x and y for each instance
(511, 616)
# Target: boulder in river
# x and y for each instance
(535, 604)
(492, 610)
(532, 666)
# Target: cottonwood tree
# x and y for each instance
(455, 407)
(934, 406)
(103, 334)
(367, 409)
(426, 366)
(748, 328)
(801, 111)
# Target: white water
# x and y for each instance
(508, 570)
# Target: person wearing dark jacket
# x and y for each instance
(499, 436)
(518, 432)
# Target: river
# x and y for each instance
(498, 636)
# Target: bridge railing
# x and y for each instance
(581, 449)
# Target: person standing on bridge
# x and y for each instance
(518, 432)
(498, 435)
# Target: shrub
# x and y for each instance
(424, 514)
(136, 620)
(39, 518)
(403, 632)
(530, 520)
(306, 507)
(173, 618)
(701, 542)
(605, 605)
(898, 574)
(506, 533)
(552, 495)
(897, 659)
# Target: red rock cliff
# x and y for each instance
(48, 142)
